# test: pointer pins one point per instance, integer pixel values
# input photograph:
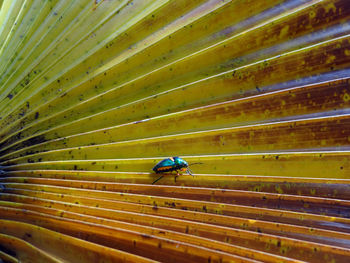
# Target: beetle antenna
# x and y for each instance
(194, 164)
(158, 179)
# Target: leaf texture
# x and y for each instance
(254, 95)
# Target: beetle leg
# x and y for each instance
(189, 171)
(158, 179)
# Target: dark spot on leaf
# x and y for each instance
(155, 207)
(35, 140)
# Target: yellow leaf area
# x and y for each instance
(251, 95)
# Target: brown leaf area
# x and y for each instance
(253, 95)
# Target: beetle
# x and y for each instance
(171, 164)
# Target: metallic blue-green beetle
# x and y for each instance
(172, 164)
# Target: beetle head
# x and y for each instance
(180, 162)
